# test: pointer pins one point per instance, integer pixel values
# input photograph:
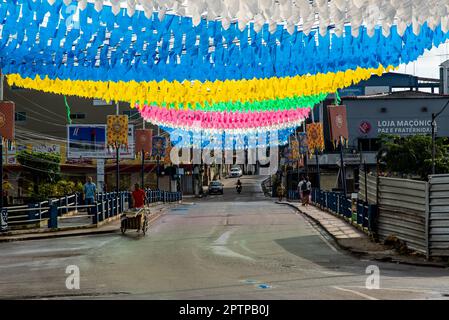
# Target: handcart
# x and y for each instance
(138, 221)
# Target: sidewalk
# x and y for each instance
(111, 225)
(355, 241)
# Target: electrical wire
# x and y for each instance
(37, 105)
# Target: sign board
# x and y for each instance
(46, 147)
(100, 175)
(89, 141)
(86, 141)
(99, 102)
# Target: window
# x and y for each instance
(77, 116)
(20, 116)
(132, 114)
(369, 145)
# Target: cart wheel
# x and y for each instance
(145, 227)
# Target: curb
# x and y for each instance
(356, 253)
(52, 234)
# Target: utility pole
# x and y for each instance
(318, 169)
(433, 124)
(117, 173)
(342, 168)
(1, 145)
(143, 161)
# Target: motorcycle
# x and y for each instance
(239, 188)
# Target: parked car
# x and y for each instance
(236, 172)
(215, 187)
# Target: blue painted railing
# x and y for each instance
(363, 214)
(106, 205)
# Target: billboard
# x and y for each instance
(86, 141)
(89, 141)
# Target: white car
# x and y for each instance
(236, 172)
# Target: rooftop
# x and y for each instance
(408, 94)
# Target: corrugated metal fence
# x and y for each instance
(403, 211)
(438, 229)
(416, 212)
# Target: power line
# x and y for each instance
(37, 105)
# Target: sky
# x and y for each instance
(428, 65)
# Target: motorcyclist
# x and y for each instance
(239, 185)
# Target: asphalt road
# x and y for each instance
(220, 247)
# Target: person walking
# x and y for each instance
(89, 189)
(138, 197)
(281, 191)
(301, 180)
(305, 187)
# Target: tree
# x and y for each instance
(43, 167)
(412, 155)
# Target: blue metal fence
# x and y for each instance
(361, 213)
(106, 205)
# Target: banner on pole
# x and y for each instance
(315, 137)
(338, 122)
(158, 147)
(143, 140)
(117, 133)
(7, 118)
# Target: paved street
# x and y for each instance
(220, 247)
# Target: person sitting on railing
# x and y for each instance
(138, 197)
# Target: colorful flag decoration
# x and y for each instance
(213, 67)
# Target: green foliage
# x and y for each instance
(50, 189)
(412, 155)
(45, 166)
(64, 187)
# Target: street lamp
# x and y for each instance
(433, 124)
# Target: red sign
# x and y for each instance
(7, 112)
(365, 127)
(143, 140)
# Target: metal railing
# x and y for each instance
(54, 212)
(358, 212)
